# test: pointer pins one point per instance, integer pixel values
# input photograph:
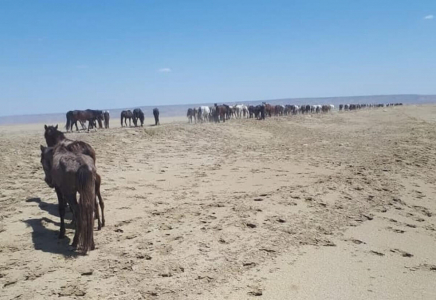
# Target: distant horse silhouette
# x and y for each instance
(269, 109)
(89, 115)
(54, 137)
(156, 116)
(70, 173)
(126, 114)
(191, 115)
(106, 119)
(221, 112)
(138, 114)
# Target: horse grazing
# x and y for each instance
(89, 115)
(269, 109)
(279, 110)
(156, 116)
(70, 173)
(138, 114)
(126, 114)
(106, 119)
(54, 137)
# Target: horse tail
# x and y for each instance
(121, 120)
(86, 188)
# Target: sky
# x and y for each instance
(61, 55)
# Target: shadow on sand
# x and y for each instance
(46, 239)
(51, 208)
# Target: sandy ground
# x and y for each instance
(336, 206)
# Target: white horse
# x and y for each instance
(239, 110)
(245, 111)
(203, 113)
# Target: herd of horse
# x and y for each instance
(70, 165)
(136, 115)
(100, 117)
(91, 116)
(221, 113)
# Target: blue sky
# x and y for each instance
(61, 55)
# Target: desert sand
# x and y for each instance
(331, 206)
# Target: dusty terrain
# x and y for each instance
(335, 206)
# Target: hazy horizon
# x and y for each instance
(177, 110)
(59, 56)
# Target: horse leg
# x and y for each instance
(97, 192)
(72, 201)
(61, 207)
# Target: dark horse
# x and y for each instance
(138, 114)
(191, 115)
(126, 114)
(106, 119)
(220, 112)
(89, 115)
(156, 116)
(70, 173)
(54, 137)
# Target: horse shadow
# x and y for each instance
(46, 240)
(51, 208)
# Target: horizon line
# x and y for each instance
(244, 101)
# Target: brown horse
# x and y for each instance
(220, 113)
(89, 115)
(126, 114)
(70, 173)
(269, 110)
(54, 137)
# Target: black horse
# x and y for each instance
(126, 114)
(89, 115)
(138, 114)
(156, 116)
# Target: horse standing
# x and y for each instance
(89, 115)
(106, 119)
(54, 137)
(138, 114)
(126, 114)
(191, 115)
(70, 173)
(156, 116)
(220, 113)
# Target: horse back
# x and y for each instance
(79, 147)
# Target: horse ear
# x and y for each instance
(56, 127)
(45, 127)
(42, 148)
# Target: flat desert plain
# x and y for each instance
(330, 206)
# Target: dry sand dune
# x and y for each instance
(335, 206)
